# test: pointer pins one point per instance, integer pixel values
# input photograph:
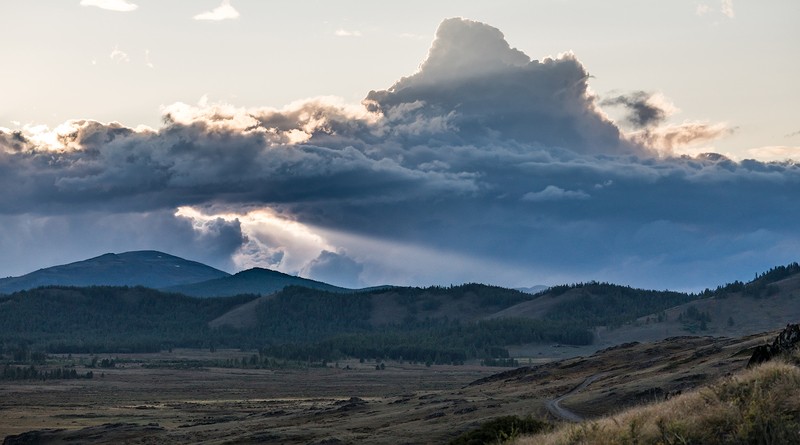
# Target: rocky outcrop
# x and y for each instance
(785, 342)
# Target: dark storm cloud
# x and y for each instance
(642, 110)
(191, 164)
(482, 152)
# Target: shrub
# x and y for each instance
(500, 430)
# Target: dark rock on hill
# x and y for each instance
(252, 281)
(784, 343)
(141, 268)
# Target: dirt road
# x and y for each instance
(555, 408)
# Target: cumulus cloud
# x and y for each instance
(111, 5)
(335, 268)
(727, 9)
(12, 141)
(647, 114)
(483, 164)
(671, 138)
(487, 90)
(553, 193)
(644, 109)
(222, 12)
(119, 56)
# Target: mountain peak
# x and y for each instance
(148, 268)
(251, 281)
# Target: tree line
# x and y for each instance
(306, 324)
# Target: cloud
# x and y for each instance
(553, 193)
(147, 61)
(222, 12)
(776, 153)
(727, 8)
(481, 165)
(485, 90)
(111, 5)
(796, 133)
(670, 138)
(645, 109)
(346, 33)
(63, 238)
(119, 56)
(335, 268)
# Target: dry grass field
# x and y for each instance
(229, 405)
(403, 403)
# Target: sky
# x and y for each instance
(516, 143)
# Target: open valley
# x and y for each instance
(142, 400)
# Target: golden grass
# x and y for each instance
(756, 406)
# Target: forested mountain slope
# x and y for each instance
(141, 268)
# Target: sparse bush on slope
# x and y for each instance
(500, 430)
(758, 406)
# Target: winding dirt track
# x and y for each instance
(555, 408)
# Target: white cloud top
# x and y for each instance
(119, 56)
(727, 8)
(111, 5)
(222, 12)
(553, 193)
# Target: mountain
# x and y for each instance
(533, 290)
(436, 324)
(737, 309)
(145, 268)
(383, 306)
(104, 318)
(252, 281)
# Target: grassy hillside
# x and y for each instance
(595, 304)
(757, 406)
(735, 309)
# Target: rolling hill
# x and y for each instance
(437, 324)
(139, 268)
(734, 310)
(256, 281)
(114, 319)
(158, 270)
